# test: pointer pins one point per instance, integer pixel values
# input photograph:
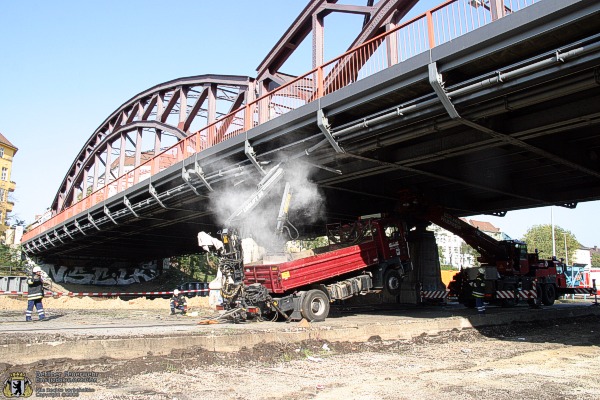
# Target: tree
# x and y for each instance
(202, 267)
(466, 250)
(595, 259)
(441, 255)
(540, 237)
(11, 261)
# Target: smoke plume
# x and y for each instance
(260, 223)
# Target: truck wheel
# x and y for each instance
(315, 305)
(548, 294)
(392, 281)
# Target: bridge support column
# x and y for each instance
(426, 262)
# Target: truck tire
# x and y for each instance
(315, 306)
(548, 294)
(392, 281)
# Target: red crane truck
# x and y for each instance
(367, 255)
(511, 272)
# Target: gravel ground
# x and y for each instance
(544, 360)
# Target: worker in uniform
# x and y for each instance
(479, 291)
(35, 294)
(178, 302)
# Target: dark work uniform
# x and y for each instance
(35, 296)
(479, 293)
(178, 303)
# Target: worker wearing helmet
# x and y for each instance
(479, 291)
(178, 302)
(35, 293)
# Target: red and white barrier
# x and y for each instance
(522, 293)
(103, 294)
(434, 294)
(583, 291)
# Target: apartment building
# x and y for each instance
(7, 152)
(453, 250)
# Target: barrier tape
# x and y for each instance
(101, 294)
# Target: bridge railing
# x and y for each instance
(439, 25)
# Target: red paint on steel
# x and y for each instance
(279, 278)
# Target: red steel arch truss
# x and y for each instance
(148, 124)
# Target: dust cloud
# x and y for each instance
(260, 222)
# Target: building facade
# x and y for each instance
(454, 251)
(7, 152)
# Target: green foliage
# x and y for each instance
(441, 255)
(467, 249)
(10, 261)
(201, 267)
(309, 244)
(595, 259)
(540, 237)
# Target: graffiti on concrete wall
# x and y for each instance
(101, 276)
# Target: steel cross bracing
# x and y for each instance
(528, 114)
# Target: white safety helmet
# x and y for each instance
(36, 269)
(481, 270)
(176, 292)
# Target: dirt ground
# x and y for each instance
(551, 360)
(557, 359)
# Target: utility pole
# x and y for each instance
(566, 253)
(552, 223)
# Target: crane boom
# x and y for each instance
(491, 250)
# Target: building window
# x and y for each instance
(2, 195)
(1, 151)
(4, 174)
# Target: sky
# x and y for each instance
(67, 65)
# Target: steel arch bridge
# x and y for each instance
(482, 117)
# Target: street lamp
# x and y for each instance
(566, 254)
(567, 263)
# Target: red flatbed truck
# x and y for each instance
(367, 255)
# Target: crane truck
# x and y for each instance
(511, 272)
